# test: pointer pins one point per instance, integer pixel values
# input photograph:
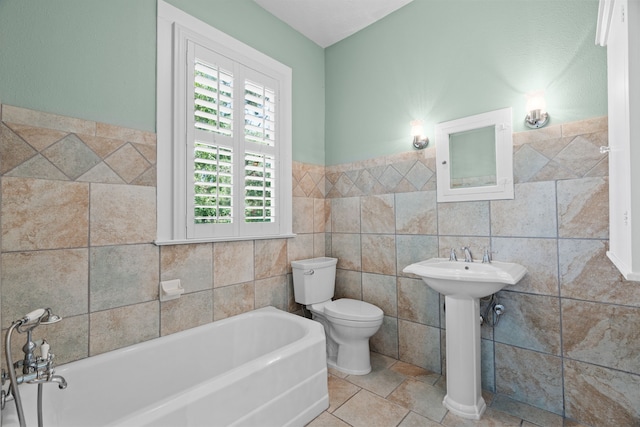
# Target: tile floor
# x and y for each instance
(399, 394)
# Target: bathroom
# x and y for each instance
(83, 72)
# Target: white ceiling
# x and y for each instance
(329, 21)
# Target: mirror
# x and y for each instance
(474, 157)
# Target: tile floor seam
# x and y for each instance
(344, 403)
(396, 388)
(352, 408)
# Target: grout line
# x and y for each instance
(562, 359)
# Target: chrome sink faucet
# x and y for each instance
(452, 255)
(467, 254)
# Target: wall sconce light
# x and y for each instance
(417, 131)
(537, 116)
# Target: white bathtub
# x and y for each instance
(261, 368)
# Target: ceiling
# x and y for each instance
(329, 21)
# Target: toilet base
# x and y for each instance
(331, 362)
(353, 356)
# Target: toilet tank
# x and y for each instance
(314, 280)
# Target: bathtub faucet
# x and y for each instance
(34, 369)
(62, 383)
(42, 372)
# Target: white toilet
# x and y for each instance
(348, 323)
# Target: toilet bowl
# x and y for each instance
(348, 323)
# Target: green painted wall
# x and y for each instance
(439, 60)
(89, 59)
(434, 60)
(96, 60)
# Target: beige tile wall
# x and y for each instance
(78, 220)
(569, 341)
(78, 224)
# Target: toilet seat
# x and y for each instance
(353, 310)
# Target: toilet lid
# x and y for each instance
(351, 309)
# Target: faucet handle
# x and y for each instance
(452, 255)
(486, 258)
(44, 349)
(468, 257)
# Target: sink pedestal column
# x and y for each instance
(464, 393)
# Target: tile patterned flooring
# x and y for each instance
(399, 394)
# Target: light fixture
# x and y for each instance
(537, 116)
(417, 130)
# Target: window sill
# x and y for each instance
(221, 239)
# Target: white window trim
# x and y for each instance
(174, 27)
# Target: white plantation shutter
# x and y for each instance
(260, 111)
(260, 151)
(213, 98)
(259, 187)
(232, 140)
(213, 184)
(210, 143)
(224, 136)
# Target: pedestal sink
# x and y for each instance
(463, 284)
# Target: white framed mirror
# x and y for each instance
(474, 157)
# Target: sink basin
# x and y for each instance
(471, 279)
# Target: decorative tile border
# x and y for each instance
(41, 145)
(564, 151)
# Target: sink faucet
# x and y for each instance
(467, 254)
(452, 255)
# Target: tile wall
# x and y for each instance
(78, 219)
(569, 341)
(78, 223)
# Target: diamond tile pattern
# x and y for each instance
(71, 156)
(13, 150)
(397, 175)
(535, 160)
(127, 162)
(43, 153)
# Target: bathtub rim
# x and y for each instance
(308, 328)
(313, 333)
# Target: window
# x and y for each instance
(224, 136)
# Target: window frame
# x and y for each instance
(175, 31)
